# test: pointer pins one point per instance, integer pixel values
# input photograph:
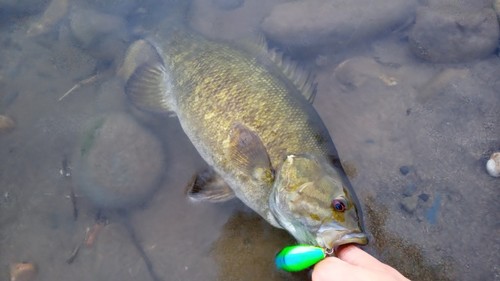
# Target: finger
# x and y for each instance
(330, 268)
(355, 256)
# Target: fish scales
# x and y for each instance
(219, 83)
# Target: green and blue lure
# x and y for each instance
(299, 257)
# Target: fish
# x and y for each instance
(248, 111)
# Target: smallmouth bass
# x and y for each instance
(248, 112)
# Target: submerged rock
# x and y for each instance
(88, 26)
(228, 4)
(6, 124)
(23, 271)
(337, 23)
(120, 164)
(23, 7)
(211, 18)
(451, 35)
(409, 204)
(117, 7)
(54, 13)
(356, 72)
(493, 165)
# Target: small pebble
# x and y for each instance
(424, 197)
(409, 204)
(404, 170)
(493, 165)
(6, 124)
(23, 271)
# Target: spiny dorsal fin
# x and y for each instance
(302, 79)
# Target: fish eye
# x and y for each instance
(339, 204)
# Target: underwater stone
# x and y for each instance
(117, 7)
(88, 26)
(6, 124)
(424, 197)
(55, 12)
(493, 165)
(334, 23)
(228, 4)
(212, 21)
(23, 271)
(404, 170)
(23, 7)
(120, 164)
(451, 35)
(409, 204)
(356, 72)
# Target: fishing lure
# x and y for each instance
(299, 257)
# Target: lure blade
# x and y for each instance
(299, 257)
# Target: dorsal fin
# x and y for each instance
(302, 79)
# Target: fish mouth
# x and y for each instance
(332, 240)
(359, 238)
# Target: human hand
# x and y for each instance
(354, 264)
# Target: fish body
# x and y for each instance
(249, 117)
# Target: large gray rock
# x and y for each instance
(451, 35)
(117, 7)
(89, 26)
(120, 163)
(337, 23)
(462, 4)
(23, 6)
(211, 18)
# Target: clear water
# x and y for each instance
(418, 142)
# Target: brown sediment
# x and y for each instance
(405, 257)
(246, 249)
(6, 124)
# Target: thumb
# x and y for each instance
(332, 268)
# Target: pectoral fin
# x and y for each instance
(248, 152)
(209, 186)
(148, 88)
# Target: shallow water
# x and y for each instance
(417, 133)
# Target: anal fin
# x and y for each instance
(209, 186)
